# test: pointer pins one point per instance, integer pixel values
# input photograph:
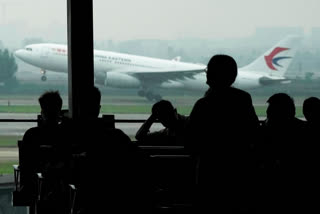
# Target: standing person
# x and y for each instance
(174, 123)
(311, 112)
(220, 133)
(280, 130)
(283, 153)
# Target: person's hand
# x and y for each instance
(152, 117)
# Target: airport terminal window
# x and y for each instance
(22, 80)
(150, 41)
(247, 30)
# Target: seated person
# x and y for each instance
(43, 148)
(113, 174)
(174, 123)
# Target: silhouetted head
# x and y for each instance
(165, 113)
(51, 104)
(221, 71)
(281, 107)
(91, 103)
(311, 109)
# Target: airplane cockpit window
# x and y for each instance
(29, 49)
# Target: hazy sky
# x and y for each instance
(167, 19)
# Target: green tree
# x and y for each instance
(8, 66)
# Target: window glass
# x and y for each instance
(27, 65)
(149, 50)
(192, 31)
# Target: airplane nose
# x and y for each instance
(19, 53)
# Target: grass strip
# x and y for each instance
(6, 167)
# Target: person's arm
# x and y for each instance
(144, 129)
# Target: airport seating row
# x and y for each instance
(172, 173)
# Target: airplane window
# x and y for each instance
(29, 49)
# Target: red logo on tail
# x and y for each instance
(269, 58)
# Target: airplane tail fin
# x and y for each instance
(275, 62)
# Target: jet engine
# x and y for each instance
(120, 80)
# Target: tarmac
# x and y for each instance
(6, 180)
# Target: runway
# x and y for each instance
(8, 154)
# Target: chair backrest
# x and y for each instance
(21, 153)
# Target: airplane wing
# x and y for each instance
(156, 77)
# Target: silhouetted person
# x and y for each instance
(174, 123)
(44, 152)
(281, 111)
(222, 125)
(280, 129)
(283, 152)
(113, 176)
(311, 112)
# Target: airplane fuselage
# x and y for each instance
(54, 57)
(120, 70)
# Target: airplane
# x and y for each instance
(119, 70)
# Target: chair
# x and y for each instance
(21, 196)
(173, 171)
(73, 199)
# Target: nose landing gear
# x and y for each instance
(43, 77)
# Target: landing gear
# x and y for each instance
(43, 77)
(141, 93)
(150, 95)
(157, 97)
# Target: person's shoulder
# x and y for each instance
(240, 94)
(299, 123)
(202, 101)
(200, 105)
(239, 91)
(117, 134)
(33, 129)
(31, 133)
